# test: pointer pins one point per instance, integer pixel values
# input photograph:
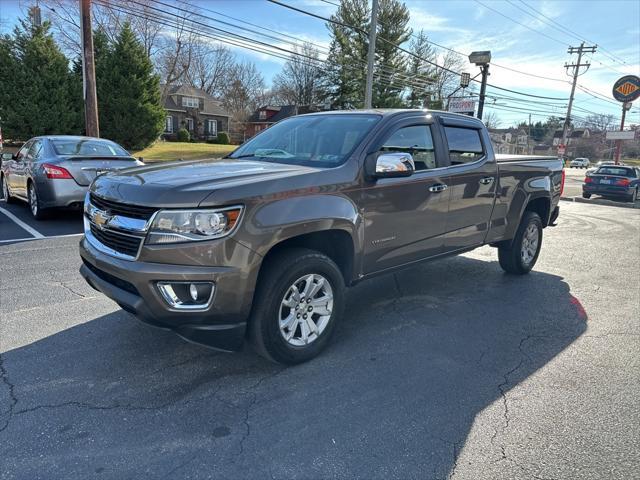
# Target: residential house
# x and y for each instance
(194, 109)
(266, 116)
(509, 140)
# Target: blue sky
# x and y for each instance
(531, 46)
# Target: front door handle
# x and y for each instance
(486, 180)
(438, 187)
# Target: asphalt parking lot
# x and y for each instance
(450, 369)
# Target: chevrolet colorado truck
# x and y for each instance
(262, 244)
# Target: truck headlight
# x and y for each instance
(171, 226)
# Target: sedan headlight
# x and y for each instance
(171, 226)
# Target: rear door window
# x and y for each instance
(465, 145)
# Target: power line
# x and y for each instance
(305, 12)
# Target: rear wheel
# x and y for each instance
(521, 256)
(586, 195)
(5, 190)
(34, 202)
(299, 299)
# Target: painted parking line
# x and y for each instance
(21, 224)
(26, 239)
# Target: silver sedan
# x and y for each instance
(56, 171)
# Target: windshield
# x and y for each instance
(313, 140)
(621, 172)
(88, 147)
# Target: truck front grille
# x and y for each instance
(119, 242)
(122, 209)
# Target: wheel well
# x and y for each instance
(541, 206)
(335, 244)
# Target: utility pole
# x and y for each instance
(576, 73)
(625, 106)
(88, 72)
(483, 89)
(529, 137)
(371, 55)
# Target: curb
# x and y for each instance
(601, 201)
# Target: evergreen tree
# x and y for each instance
(391, 63)
(420, 71)
(129, 98)
(39, 95)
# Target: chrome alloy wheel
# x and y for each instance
(530, 242)
(5, 189)
(33, 200)
(305, 310)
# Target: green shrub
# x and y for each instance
(183, 135)
(223, 138)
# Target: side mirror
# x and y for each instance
(389, 165)
(7, 156)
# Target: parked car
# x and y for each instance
(579, 163)
(263, 243)
(617, 181)
(55, 171)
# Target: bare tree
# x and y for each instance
(492, 120)
(599, 121)
(299, 82)
(210, 67)
(446, 80)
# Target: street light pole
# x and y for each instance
(371, 55)
(483, 88)
(481, 59)
(88, 72)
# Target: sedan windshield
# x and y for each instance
(310, 140)
(88, 147)
(620, 172)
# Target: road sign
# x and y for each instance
(624, 135)
(460, 105)
(561, 149)
(627, 88)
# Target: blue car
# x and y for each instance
(613, 181)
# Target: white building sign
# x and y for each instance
(460, 105)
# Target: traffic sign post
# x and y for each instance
(625, 90)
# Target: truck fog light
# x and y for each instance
(187, 295)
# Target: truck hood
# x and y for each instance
(187, 184)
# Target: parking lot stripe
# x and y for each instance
(26, 239)
(22, 225)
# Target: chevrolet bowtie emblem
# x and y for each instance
(101, 218)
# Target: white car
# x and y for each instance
(579, 163)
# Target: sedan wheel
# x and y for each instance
(34, 203)
(5, 190)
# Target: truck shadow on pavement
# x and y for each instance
(418, 356)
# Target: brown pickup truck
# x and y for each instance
(262, 244)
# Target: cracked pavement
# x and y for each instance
(450, 369)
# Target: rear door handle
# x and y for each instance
(486, 180)
(438, 187)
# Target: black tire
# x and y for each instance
(5, 191)
(281, 272)
(35, 206)
(511, 258)
(586, 195)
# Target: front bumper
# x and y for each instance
(132, 285)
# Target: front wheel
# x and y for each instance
(634, 196)
(299, 299)
(5, 190)
(523, 253)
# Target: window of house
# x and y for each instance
(189, 123)
(191, 102)
(415, 140)
(168, 124)
(212, 127)
(262, 115)
(465, 145)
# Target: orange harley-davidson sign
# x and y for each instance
(627, 88)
